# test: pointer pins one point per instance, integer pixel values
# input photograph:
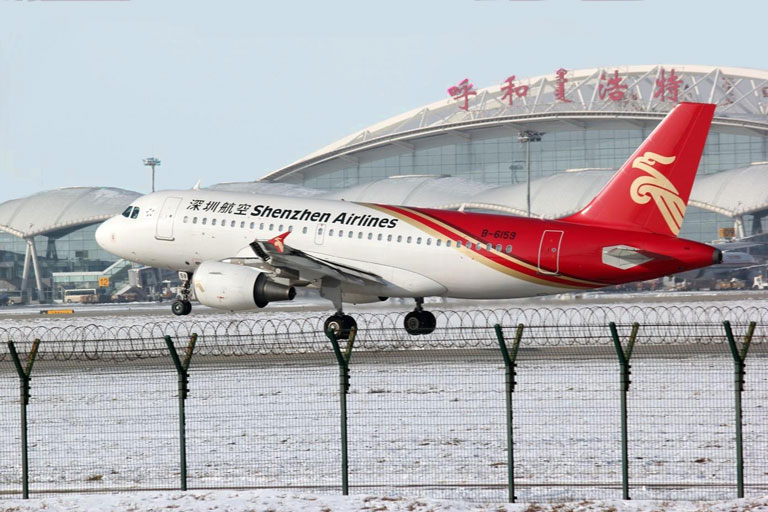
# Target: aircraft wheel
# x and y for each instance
(429, 322)
(419, 322)
(340, 325)
(349, 323)
(181, 307)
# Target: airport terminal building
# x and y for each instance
(562, 135)
(569, 130)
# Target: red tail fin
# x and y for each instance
(650, 191)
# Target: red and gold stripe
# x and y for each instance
(497, 260)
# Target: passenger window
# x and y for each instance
(418, 241)
(330, 232)
(359, 234)
(468, 244)
(271, 227)
(135, 213)
(408, 240)
(261, 226)
(205, 221)
(253, 225)
(304, 230)
(399, 238)
(509, 249)
(319, 231)
(498, 247)
(290, 229)
(127, 212)
(389, 238)
(447, 243)
(488, 247)
(379, 237)
(478, 246)
(429, 241)
(370, 236)
(194, 220)
(280, 228)
(438, 242)
(242, 225)
(341, 233)
(213, 222)
(185, 219)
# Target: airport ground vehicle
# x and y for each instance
(81, 296)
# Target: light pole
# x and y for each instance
(152, 162)
(528, 136)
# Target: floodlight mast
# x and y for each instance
(526, 137)
(152, 162)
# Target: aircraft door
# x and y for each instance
(164, 228)
(549, 252)
(320, 234)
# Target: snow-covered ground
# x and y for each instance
(433, 418)
(279, 501)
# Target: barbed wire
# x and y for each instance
(466, 329)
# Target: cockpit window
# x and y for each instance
(135, 213)
(127, 211)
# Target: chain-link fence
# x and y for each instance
(650, 410)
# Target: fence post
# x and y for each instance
(624, 358)
(343, 360)
(738, 378)
(509, 379)
(182, 368)
(24, 378)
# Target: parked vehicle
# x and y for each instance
(82, 296)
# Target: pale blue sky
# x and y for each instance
(230, 90)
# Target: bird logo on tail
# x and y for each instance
(658, 187)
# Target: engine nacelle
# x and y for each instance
(236, 287)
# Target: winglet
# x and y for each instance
(197, 185)
(279, 241)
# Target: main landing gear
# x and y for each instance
(419, 321)
(183, 306)
(340, 324)
(416, 322)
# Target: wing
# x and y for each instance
(277, 254)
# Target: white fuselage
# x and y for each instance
(181, 229)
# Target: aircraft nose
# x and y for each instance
(104, 234)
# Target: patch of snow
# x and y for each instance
(249, 501)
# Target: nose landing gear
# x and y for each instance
(418, 321)
(183, 306)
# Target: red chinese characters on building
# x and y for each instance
(510, 90)
(462, 92)
(612, 87)
(667, 86)
(560, 85)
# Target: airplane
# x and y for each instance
(241, 251)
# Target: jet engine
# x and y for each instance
(236, 287)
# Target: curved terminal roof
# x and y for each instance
(573, 191)
(734, 192)
(731, 193)
(62, 209)
(264, 187)
(429, 191)
(740, 93)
